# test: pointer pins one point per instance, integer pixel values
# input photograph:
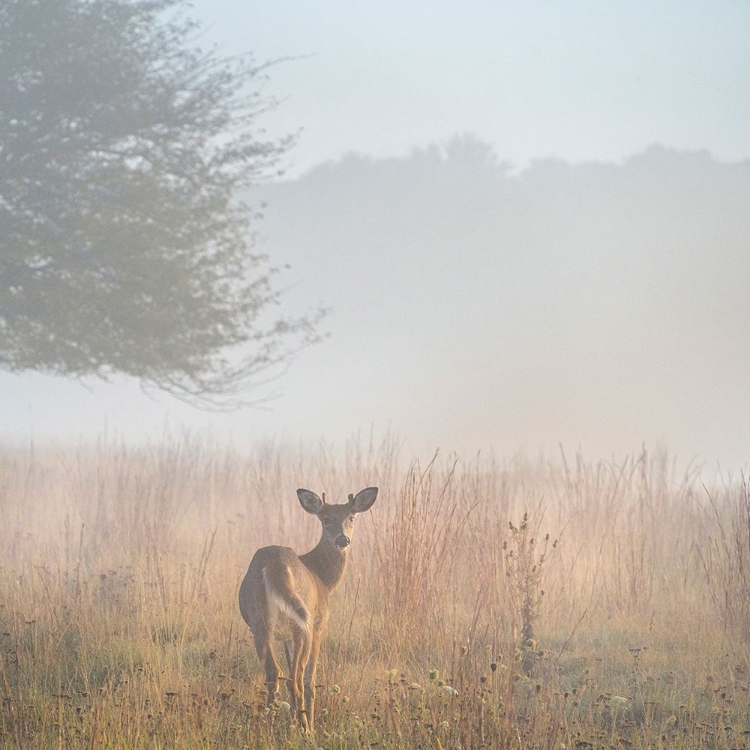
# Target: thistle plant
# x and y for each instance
(524, 567)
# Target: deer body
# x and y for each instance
(283, 590)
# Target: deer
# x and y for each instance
(282, 591)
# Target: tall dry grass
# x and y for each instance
(542, 604)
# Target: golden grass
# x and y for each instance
(120, 627)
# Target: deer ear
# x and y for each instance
(310, 501)
(364, 499)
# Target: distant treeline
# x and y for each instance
(589, 285)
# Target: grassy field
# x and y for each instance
(518, 604)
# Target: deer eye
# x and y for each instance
(351, 519)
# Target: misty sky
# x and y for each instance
(578, 81)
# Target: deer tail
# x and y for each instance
(280, 589)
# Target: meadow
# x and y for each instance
(520, 603)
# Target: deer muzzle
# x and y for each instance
(343, 541)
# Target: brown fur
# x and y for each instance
(282, 588)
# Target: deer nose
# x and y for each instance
(343, 541)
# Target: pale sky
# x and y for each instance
(577, 80)
(580, 79)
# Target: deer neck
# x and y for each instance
(327, 562)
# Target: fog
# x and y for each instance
(573, 271)
(598, 305)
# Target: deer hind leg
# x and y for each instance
(302, 645)
(270, 666)
(310, 676)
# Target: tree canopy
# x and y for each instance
(124, 245)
